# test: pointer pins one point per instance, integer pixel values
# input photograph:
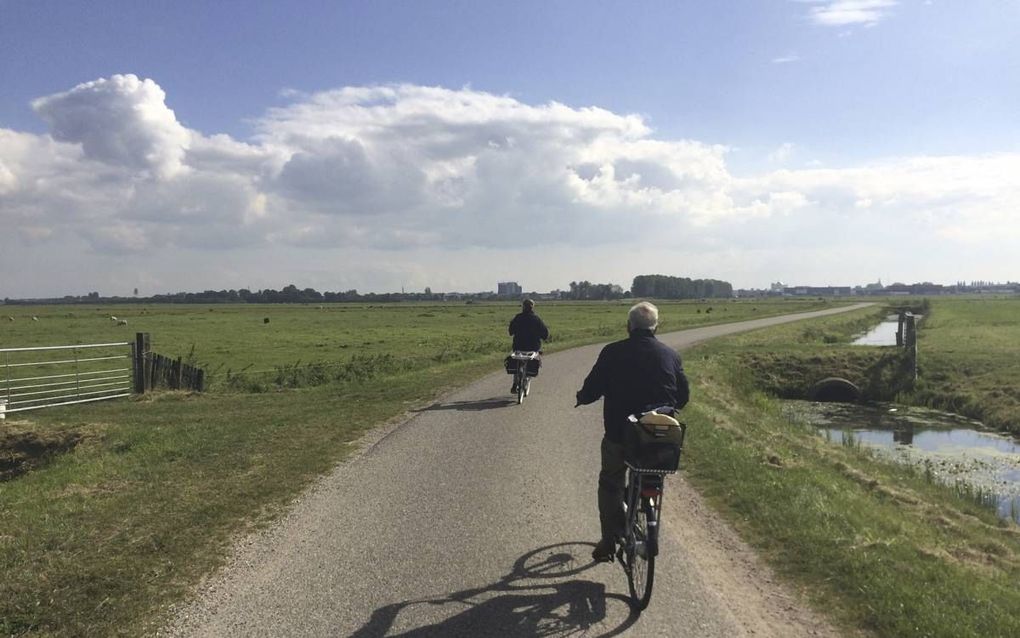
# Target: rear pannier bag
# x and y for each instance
(511, 366)
(654, 447)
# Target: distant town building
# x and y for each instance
(818, 291)
(509, 289)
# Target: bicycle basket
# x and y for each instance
(653, 447)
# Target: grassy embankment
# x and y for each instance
(969, 358)
(877, 545)
(97, 541)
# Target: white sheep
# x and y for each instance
(112, 318)
(122, 322)
(34, 318)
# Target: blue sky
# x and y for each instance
(867, 87)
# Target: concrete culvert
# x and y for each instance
(835, 390)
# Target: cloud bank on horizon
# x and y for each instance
(407, 183)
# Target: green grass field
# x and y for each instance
(100, 540)
(969, 358)
(231, 340)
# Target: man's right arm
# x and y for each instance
(683, 388)
(594, 386)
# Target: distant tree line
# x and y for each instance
(289, 294)
(667, 287)
(588, 290)
(648, 286)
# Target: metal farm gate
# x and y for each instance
(47, 376)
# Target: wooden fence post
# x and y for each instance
(910, 341)
(140, 351)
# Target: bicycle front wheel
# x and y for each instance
(641, 558)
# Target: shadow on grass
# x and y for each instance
(541, 596)
(472, 406)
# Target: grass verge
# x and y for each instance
(100, 540)
(877, 545)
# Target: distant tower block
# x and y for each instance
(509, 289)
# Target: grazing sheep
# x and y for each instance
(34, 318)
(112, 318)
(122, 322)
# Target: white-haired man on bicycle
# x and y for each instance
(633, 375)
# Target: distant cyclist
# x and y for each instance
(636, 374)
(528, 331)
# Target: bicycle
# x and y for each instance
(523, 373)
(652, 451)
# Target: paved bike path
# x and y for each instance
(474, 518)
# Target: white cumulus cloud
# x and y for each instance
(371, 179)
(842, 13)
(120, 120)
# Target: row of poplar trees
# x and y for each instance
(667, 287)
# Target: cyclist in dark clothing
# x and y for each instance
(528, 331)
(634, 375)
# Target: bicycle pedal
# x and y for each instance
(596, 556)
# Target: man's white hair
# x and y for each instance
(643, 316)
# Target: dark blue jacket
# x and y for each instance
(528, 331)
(634, 375)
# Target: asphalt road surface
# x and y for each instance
(477, 517)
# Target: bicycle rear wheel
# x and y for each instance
(641, 557)
(521, 380)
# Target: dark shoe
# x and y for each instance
(604, 551)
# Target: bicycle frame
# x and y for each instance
(642, 502)
(644, 491)
(639, 544)
(521, 379)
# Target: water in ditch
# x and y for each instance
(953, 448)
(884, 334)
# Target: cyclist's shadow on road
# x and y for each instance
(541, 596)
(472, 406)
